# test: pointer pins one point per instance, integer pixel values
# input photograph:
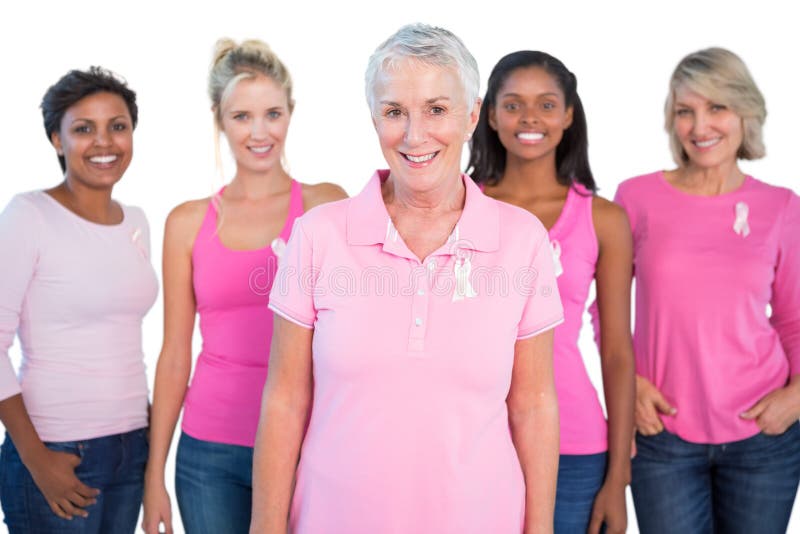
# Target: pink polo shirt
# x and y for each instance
(412, 365)
(706, 275)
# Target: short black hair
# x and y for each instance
(76, 85)
(487, 160)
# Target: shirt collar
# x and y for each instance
(368, 222)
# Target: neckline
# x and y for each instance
(571, 192)
(84, 220)
(268, 247)
(745, 185)
(565, 209)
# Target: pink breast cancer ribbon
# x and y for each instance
(556, 247)
(464, 288)
(740, 225)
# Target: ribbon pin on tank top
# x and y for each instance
(556, 248)
(740, 225)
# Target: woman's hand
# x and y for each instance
(54, 475)
(609, 508)
(649, 404)
(777, 410)
(157, 508)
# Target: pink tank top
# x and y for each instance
(575, 250)
(231, 288)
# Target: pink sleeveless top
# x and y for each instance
(575, 250)
(231, 288)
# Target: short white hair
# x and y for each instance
(430, 45)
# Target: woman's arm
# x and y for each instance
(533, 419)
(53, 472)
(285, 408)
(781, 408)
(613, 277)
(175, 361)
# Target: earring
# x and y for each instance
(468, 136)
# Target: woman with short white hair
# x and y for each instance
(420, 421)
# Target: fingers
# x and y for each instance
(647, 420)
(154, 526)
(67, 510)
(85, 491)
(57, 510)
(662, 405)
(595, 523)
(755, 411)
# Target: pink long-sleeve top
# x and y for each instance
(708, 270)
(75, 292)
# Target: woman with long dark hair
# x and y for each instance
(531, 149)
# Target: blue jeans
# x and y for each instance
(580, 477)
(214, 486)
(113, 464)
(744, 486)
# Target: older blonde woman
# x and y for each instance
(419, 420)
(718, 395)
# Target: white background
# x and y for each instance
(622, 53)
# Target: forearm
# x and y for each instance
(278, 442)
(171, 383)
(620, 394)
(18, 424)
(535, 433)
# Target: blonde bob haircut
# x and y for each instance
(722, 77)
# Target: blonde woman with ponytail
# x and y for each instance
(220, 258)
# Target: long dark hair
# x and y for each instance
(487, 160)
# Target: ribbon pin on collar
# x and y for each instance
(464, 287)
(740, 225)
(556, 247)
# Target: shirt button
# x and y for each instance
(432, 265)
(418, 321)
(420, 292)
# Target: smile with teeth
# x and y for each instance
(420, 159)
(707, 143)
(261, 149)
(530, 136)
(103, 159)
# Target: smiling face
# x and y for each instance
(530, 114)
(422, 120)
(709, 132)
(255, 120)
(96, 140)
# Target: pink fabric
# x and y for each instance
(702, 334)
(75, 292)
(409, 428)
(583, 425)
(231, 289)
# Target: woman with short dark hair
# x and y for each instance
(77, 283)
